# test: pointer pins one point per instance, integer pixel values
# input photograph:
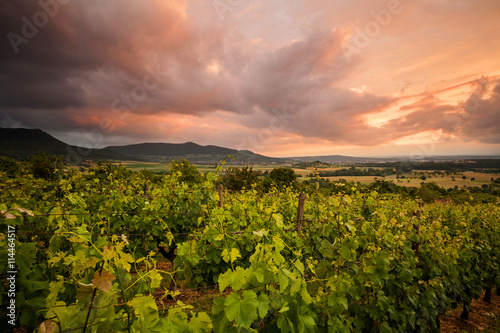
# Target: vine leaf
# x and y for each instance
(236, 279)
(155, 279)
(242, 310)
(279, 220)
(233, 255)
(47, 326)
(103, 280)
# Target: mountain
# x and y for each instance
(21, 143)
(340, 159)
(170, 149)
(165, 152)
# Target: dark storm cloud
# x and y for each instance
(57, 66)
(70, 65)
(481, 117)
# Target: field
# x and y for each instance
(410, 180)
(110, 251)
(153, 166)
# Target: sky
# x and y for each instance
(277, 77)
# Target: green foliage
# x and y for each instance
(315, 164)
(237, 179)
(103, 171)
(359, 265)
(353, 171)
(186, 172)
(10, 166)
(429, 192)
(48, 167)
(383, 186)
(283, 176)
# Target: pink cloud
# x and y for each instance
(222, 81)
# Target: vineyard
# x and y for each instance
(87, 252)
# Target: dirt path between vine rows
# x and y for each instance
(484, 318)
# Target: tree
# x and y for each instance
(188, 173)
(103, 170)
(237, 179)
(44, 166)
(283, 176)
(429, 192)
(9, 166)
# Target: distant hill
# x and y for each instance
(21, 143)
(340, 159)
(165, 152)
(170, 149)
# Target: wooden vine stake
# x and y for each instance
(220, 196)
(419, 214)
(300, 214)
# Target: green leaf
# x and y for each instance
(263, 303)
(414, 237)
(351, 228)
(300, 266)
(305, 294)
(231, 256)
(295, 286)
(235, 254)
(236, 279)
(225, 280)
(144, 307)
(200, 323)
(243, 311)
(306, 323)
(389, 239)
(256, 276)
(282, 280)
(55, 288)
(261, 233)
(405, 275)
(338, 304)
(285, 325)
(279, 220)
(155, 279)
(345, 251)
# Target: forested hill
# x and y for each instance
(171, 149)
(21, 143)
(164, 152)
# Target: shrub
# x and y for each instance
(9, 166)
(44, 166)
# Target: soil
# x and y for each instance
(483, 318)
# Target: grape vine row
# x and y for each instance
(87, 250)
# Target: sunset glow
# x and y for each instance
(305, 77)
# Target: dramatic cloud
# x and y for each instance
(270, 76)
